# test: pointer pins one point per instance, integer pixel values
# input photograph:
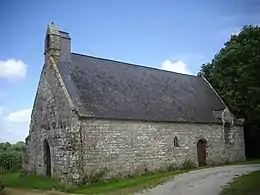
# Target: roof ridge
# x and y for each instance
(131, 64)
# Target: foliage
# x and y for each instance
(244, 185)
(188, 164)
(173, 167)
(11, 156)
(235, 71)
(2, 187)
(95, 176)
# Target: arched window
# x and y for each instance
(176, 142)
(227, 128)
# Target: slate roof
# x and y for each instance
(115, 90)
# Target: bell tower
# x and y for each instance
(57, 44)
(52, 43)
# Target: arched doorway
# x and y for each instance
(201, 150)
(47, 158)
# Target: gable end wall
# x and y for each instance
(53, 119)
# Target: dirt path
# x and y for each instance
(11, 191)
(201, 182)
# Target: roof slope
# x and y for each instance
(110, 89)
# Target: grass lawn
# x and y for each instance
(245, 185)
(30, 181)
(123, 186)
(249, 161)
(128, 185)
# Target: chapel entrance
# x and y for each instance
(47, 158)
(201, 150)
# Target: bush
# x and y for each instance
(10, 161)
(95, 177)
(11, 156)
(188, 164)
(172, 167)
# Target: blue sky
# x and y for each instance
(167, 34)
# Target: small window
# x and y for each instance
(227, 128)
(176, 142)
(47, 42)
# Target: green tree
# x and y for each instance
(235, 73)
(18, 146)
(5, 146)
(11, 156)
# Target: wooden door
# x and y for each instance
(201, 149)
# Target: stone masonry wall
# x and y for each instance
(235, 149)
(129, 147)
(233, 137)
(53, 120)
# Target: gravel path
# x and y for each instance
(201, 182)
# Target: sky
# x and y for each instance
(172, 35)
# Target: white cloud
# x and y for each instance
(20, 116)
(175, 66)
(12, 69)
(234, 31)
(1, 111)
(239, 19)
(15, 126)
(186, 63)
(242, 17)
(226, 33)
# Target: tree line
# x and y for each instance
(234, 72)
(11, 156)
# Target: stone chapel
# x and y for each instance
(91, 114)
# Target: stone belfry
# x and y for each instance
(57, 44)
